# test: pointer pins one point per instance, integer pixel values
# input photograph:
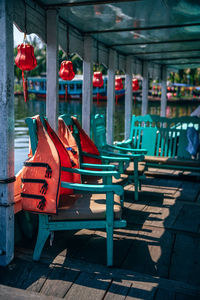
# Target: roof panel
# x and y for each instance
(147, 25)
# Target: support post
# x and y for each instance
(163, 91)
(128, 96)
(52, 68)
(110, 97)
(6, 132)
(87, 84)
(145, 88)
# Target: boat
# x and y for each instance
(69, 89)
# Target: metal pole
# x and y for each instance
(52, 68)
(110, 97)
(145, 88)
(6, 133)
(163, 92)
(87, 84)
(128, 96)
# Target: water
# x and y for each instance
(33, 107)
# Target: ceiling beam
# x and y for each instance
(157, 42)
(175, 58)
(87, 3)
(143, 28)
(192, 63)
(163, 52)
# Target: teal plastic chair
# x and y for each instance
(135, 155)
(106, 156)
(109, 218)
(120, 162)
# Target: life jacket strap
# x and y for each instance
(72, 150)
(44, 187)
(39, 164)
(42, 199)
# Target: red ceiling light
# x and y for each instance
(97, 79)
(66, 70)
(118, 84)
(135, 85)
(26, 61)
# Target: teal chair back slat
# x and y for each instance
(99, 131)
(33, 133)
(162, 136)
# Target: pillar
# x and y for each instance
(145, 88)
(128, 96)
(52, 68)
(87, 84)
(6, 133)
(110, 97)
(163, 91)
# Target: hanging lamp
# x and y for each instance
(66, 68)
(135, 87)
(25, 59)
(118, 86)
(97, 77)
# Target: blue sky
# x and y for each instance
(18, 36)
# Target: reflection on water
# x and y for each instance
(33, 107)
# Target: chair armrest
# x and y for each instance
(130, 156)
(99, 166)
(92, 173)
(138, 151)
(109, 158)
(97, 189)
(123, 143)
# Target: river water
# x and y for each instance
(33, 107)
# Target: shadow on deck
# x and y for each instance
(155, 257)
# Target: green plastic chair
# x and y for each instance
(111, 156)
(135, 155)
(109, 217)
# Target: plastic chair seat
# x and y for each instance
(98, 180)
(130, 169)
(85, 207)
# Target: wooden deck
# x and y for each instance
(155, 257)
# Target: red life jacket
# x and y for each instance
(42, 174)
(86, 143)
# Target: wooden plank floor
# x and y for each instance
(155, 257)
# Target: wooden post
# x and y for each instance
(163, 91)
(52, 68)
(110, 97)
(128, 96)
(145, 88)
(87, 84)
(6, 132)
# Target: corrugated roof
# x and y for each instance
(162, 31)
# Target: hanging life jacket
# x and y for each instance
(85, 143)
(42, 174)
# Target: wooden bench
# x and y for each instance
(165, 141)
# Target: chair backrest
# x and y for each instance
(162, 136)
(99, 129)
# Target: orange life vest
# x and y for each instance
(86, 143)
(42, 174)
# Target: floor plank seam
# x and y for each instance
(107, 289)
(76, 277)
(171, 256)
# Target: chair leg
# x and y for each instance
(109, 230)
(136, 181)
(43, 235)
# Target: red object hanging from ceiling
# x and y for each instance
(26, 61)
(135, 85)
(97, 79)
(118, 84)
(66, 70)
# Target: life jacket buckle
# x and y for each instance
(42, 203)
(48, 172)
(44, 188)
